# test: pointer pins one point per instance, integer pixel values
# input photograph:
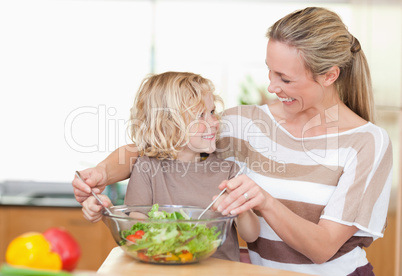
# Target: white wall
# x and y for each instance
(69, 69)
(68, 72)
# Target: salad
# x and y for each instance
(165, 242)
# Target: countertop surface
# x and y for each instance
(32, 193)
(120, 264)
(49, 194)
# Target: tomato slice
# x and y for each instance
(139, 233)
(157, 258)
(133, 237)
(136, 236)
(142, 256)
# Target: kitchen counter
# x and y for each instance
(120, 264)
(49, 194)
(41, 194)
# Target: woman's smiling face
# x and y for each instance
(289, 79)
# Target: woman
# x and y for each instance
(319, 173)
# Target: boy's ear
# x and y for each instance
(331, 76)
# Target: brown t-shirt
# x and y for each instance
(168, 182)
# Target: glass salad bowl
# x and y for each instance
(167, 234)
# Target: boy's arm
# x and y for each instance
(248, 226)
(92, 210)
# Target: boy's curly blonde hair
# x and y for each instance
(164, 106)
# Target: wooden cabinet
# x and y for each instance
(384, 253)
(381, 253)
(95, 239)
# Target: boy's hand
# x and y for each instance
(93, 210)
(95, 178)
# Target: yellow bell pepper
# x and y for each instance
(171, 257)
(185, 256)
(32, 250)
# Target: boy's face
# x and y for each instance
(202, 131)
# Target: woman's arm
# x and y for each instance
(116, 167)
(119, 163)
(319, 242)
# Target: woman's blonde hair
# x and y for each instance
(163, 108)
(324, 41)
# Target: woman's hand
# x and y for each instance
(116, 167)
(95, 179)
(93, 210)
(242, 194)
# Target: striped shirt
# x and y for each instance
(343, 177)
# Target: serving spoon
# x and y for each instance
(221, 193)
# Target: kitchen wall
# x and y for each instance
(70, 68)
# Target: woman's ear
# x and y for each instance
(331, 76)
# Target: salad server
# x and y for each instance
(222, 192)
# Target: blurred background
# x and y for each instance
(69, 71)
